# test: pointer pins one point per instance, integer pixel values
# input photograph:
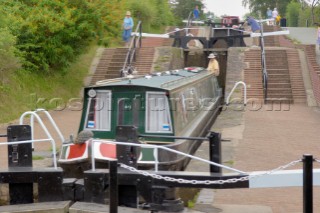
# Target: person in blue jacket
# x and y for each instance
(196, 13)
(127, 28)
(255, 27)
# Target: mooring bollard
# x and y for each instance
(307, 183)
(215, 151)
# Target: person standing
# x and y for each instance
(278, 18)
(196, 13)
(255, 28)
(269, 13)
(127, 28)
(274, 15)
(213, 65)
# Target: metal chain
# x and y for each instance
(316, 160)
(207, 182)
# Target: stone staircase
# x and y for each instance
(110, 64)
(285, 80)
(279, 84)
(253, 74)
(156, 42)
(112, 59)
(296, 78)
(143, 64)
(271, 41)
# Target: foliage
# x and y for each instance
(154, 14)
(51, 33)
(292, 14)
(261, 6)
(8, 61)
(163, 16)
(142, 10)
(26, 88)
(184, 8)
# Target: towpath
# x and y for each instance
(262, 140)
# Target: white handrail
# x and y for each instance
(93, 141)
(245, 92)
(32, 141)
(53, 123)
(33, 115)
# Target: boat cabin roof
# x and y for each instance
(162, 80)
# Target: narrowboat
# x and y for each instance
(181, 103)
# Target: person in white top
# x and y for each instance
(274, 15)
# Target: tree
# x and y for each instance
(52, 33)
(312, 4)
(183, 9)
(261, 6)
(292, 14)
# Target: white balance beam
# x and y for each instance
(283, 178)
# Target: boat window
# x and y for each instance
(99, 111)
(157, 113)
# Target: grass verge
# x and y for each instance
(28, 91)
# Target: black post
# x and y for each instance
(307, 184)
(20, 155)
(113, 184)
(215, 151)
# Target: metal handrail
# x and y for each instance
(263, 65)
(53, 123)
(156, 147)
(34, 114)
(189, 19)
(130, 57)
(33, 141)
(245, 92)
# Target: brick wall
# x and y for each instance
(235, 68)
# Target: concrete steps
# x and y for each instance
(112, 59)
(296, 78)
(285, 80)
(143, 64)
(271, 41)
(252, 75)
(278, 73)
(110, 64)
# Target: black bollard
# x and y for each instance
(307, 184)
(113, 184)
(215, 151)
(20, 156)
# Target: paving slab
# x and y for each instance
(273, 138)
(45, 207)
(233, 209)
(84, 207)
(303, 34)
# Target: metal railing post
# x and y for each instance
(140, 35)
(307, 184)
(263, 64)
